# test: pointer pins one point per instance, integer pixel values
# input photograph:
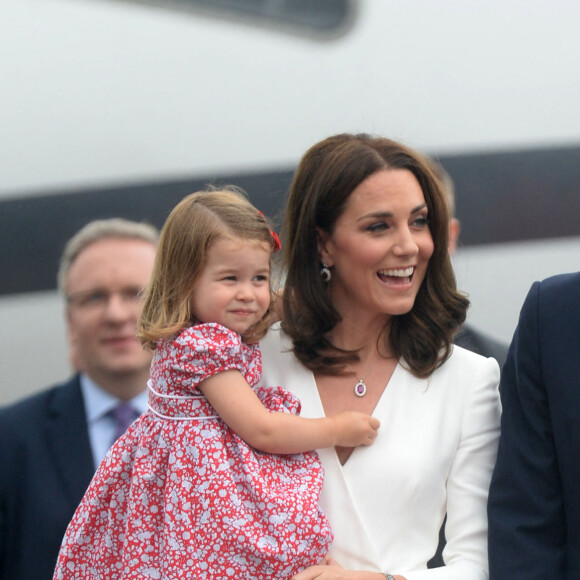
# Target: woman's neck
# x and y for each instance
(362, 335)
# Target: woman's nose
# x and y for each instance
(405, 244)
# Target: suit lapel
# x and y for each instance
(68, 440)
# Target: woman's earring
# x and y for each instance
(325, 273)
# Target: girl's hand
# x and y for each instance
(355, 429)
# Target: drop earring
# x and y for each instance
(325, 273)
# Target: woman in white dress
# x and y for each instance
(370, 311)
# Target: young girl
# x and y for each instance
(217, 479)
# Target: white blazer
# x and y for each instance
(434, 454)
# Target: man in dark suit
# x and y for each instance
(51, 442)
(534, 500)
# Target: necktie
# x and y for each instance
(124, 415)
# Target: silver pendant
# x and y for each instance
(360, 389)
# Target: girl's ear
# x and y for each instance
(324, 244)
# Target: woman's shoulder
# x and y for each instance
(461, 356)
(464, 367)
(276, 342)
(278, 358)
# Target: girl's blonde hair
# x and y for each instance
(193, 226)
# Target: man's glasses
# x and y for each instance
(99, 299)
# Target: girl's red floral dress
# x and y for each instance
(180, 495)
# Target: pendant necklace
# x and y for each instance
(360, 389)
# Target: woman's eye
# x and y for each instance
(378, 227)
(421, 221)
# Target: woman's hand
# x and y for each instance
(326, 570)
(329, 569)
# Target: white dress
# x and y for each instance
(434, 454)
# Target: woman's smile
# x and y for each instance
(397, 276)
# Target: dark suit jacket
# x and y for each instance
(534, 501)
(46, 465)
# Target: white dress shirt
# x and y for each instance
(98, 407)
(434, 455)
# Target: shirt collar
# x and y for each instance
(99, 402)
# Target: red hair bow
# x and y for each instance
(276, 245)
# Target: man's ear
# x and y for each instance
(71, 337)
(323, 242)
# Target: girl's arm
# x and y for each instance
(276, 432)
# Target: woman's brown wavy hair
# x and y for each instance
(326, 176)
(194, 225)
